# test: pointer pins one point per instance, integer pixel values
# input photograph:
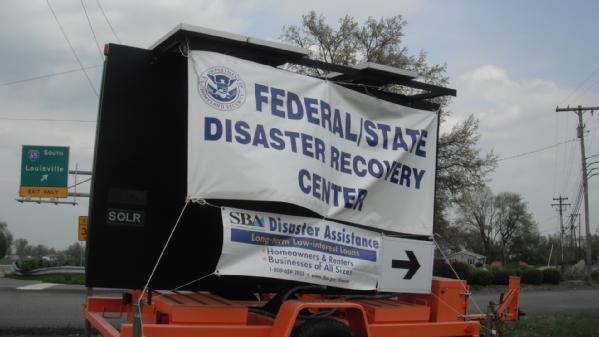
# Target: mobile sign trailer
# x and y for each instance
(270, 203)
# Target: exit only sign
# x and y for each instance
(44, 171)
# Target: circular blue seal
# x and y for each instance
(33, 155)
(222, 88)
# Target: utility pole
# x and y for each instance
(561, 205)
(572, 236)
(585, 185)
(579, 250)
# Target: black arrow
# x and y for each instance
(412, 264)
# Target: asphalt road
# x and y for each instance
(55, 307)
(61, 306)
(547, 302)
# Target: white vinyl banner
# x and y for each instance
(322, 252)
(298, 248)
(261, 133)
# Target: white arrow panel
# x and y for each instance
(399, 273)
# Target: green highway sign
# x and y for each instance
(44, 171)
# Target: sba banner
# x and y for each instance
(298, 248)
(261, 133)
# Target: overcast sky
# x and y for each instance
(512, 64)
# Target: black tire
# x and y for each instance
(324, 327)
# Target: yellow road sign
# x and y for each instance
(44, 192)
(83, 228)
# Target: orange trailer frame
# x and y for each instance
(443, 312)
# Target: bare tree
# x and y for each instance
(378, 41)
(500, 221)
(325, 43)
(460, 168)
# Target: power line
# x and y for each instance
(587, 88)
(92, 30)
(568, 153)
(571, 163)
(47, 120)
(555, 138)
(46, 76)
(580, 85)
(64, 34)
(592, 134)
(107, 21)
(536, 151)
(579, 191)
(563, 166)
(571, 153)
(578, 201)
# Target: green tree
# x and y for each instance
(460, 166)
(5, 239)
(512, 219)
(22, 248)
(41, 250)
(530, 246)
(73, 254)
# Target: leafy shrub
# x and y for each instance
(551, 275)
(575, 272)
(481, 277)
(500, 276)
(442, 269)
(29, 265)
(531, 276)
(595, 275)
(510, 272)
(512, 265)
(54, 278)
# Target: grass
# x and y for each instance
(53, 278)
(579, 325)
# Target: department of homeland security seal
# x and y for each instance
(222, 88)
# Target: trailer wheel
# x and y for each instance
(325, 327)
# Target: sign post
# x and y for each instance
(44, 171)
